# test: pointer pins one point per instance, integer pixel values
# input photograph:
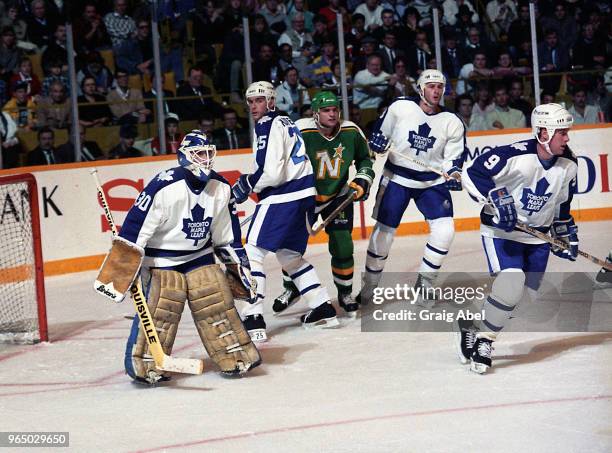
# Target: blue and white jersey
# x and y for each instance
(542, 190)
(178, 219)
(282, 171)
(437, 140)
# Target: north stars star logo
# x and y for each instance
(197, 227)
(420, 140)
(338, 151)
(534, 201)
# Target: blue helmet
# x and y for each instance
(197, 153)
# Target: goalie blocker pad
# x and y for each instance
(212, 307)
(119, 269)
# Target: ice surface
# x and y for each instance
(335, 390)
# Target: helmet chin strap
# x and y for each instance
(546, 143)
(424, 99)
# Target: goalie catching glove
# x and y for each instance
(241, 283)
(119, 269)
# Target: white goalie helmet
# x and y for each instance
(261, 89)
(429, 76)
(197, 153)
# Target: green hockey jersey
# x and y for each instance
(332, 158)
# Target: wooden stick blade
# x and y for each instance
(182, 365)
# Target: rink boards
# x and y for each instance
(75, 235)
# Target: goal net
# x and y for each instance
(22, 294)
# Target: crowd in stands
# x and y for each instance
(486, 57)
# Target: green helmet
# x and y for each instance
(324, 99)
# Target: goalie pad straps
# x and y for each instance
(212, 306)
(166, 301)
(119, 269)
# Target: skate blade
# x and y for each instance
(326, 323)
(479, 368)
(457, 343)
(258, 335)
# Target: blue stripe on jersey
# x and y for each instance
(409, 173)
(305, 182)
(165, 253)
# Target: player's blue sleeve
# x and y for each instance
(482, 172)
(568, 191)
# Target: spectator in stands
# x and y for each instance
(21, 107)
(9, 141)
(275, 15)
(483, 103)
(229, 70)
(174, 137)
(291, 94)
(589, 52)
(208, 28)
(372, 12)
(517, 100)
(408, 28)
(524, 54)
(90, 150)
(40, 25)
(56, 50)
(505, 69)
(418, 55)
(452, 55)
(118, 24)
(233, 13)
(521, 28)
(96, 69)
(565, 25)
(320, 68)
(54, 111)
(135, 53)
(355, 33)
(583, 113)
(400, 83)
(355, 115)
(206, 123)
(388, 25)
(306, 111)
(168, 103)
(333, 81)
(285, 56)
(45, 153)
(10, 54)
(26, 75)
(329, 13)
(296, 36)
(321, 34)
(547, 97)
(266, 67)
(191, 109)
(553, 57)
(503, 116)
(471, 73)
(451, 10)
(370, 84)
(601, 97)
(92, 115)
(398, 7)
(260, 34)
(55, 75)
(230, 136)
(12, 20)
(297, 6)
(389, 51)
(501, 13)
(473, 45)
(89, 30)
(360, 59)
(464, 108)
(126, 103)
(125, 148)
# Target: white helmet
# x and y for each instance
(429, 76)
(550, 117)
(261, 89)
(197, 153)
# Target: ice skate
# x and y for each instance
(481, 355)
(256, 327)
(348, 303)
(465, 337)
(152, 378)
(285, 300)
(603, 279)
(322, 317)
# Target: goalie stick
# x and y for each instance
(527, 229)
(320, 224)
(162, 361)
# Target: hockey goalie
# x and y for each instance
(182, 219)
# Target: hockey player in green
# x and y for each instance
(333, 146)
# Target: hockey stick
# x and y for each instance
(246, 220)
(527, 229)
(320, 224)
(163, 361)
(422, 164)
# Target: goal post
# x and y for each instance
(23, 316)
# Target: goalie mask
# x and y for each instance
(550, 117)
(197, 153)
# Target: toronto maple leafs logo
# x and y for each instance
(420, 140)
(534, 201)
(197, 227)
(165, 175)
